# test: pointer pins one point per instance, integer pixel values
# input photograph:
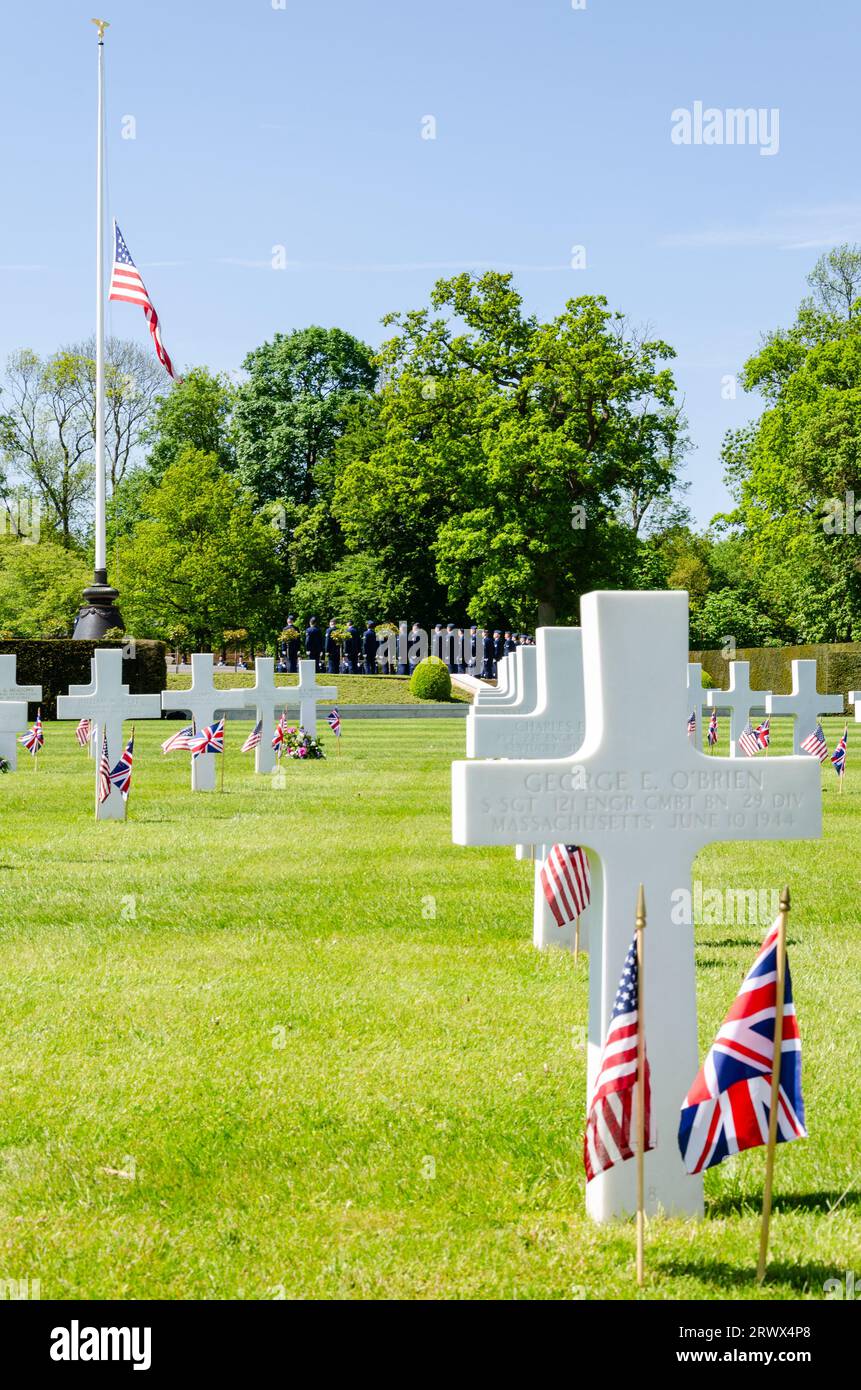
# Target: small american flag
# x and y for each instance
(692, 724)
(184, 739)
(104, 771)
(34, 738)
(748, 742)
(838, 757)
(727, 1108)
(713, 729)
(762, 733)
(278, 736)
(209, 740)
(566, 882)
(815, 744)
(121, 775)
(612, 1114)
(84, 732)
(127, 285)
(253, 738)
(334, 722)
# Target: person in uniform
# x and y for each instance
(436, 641)
(369, 649)
(352, 648)
(509, 644)
(488, 666)
(449, 655)
(313, 643)
(292, 647)
(332, 648)
(414, 647)
(472, 654)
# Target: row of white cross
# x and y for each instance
(591, 760)
(106, 702)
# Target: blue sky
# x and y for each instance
(301, 126)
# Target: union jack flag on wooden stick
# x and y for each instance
(127, 284)
(762, 733)
(278, 736)
(333, 719)
(838, 757)
(209, 740)
(727, 1108)
(34, 738)
(121, 775)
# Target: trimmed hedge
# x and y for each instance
(57, 663)
(431, 680)
(838, 666)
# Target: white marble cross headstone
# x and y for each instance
(308, 693)
(805, 702)
(490, 694)
(647, 801)
(854, 699)
(739, 699)
(202, 701)
(106, 702)
(13, 720)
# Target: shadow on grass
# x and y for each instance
(823, 1202)
(809, 1277)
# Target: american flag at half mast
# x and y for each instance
(127, 285)
(611, 1124)
(566, 882)
(815, 744)
(727, 1108)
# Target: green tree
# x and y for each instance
(40, 587)
(290, 412)
(200, 559)
(195, 413)
(511, 450)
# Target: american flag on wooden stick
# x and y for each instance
(748, 741)
(566, 882)
(253, 738)
(610, 1126)
(127, 285)
(692, 723)
(84, 732)
(184, 739)
(713, 729)
(104, 771)
(815, 744)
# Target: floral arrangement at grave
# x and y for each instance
(290, 634)
(298, 744)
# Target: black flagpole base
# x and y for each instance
(100, 612)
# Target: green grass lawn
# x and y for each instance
(293, 1042)
(352, 690)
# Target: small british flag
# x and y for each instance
(34, 738)
(209, 740)
(121, 775)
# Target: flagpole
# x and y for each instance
(223, 750)
(99, 612)
(641, 1086)
(780, 991)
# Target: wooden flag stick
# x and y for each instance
(577, 938)
(641, 1086)
(780, 990)
(223, 753)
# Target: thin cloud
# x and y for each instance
(390, 267)
(796, 229)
